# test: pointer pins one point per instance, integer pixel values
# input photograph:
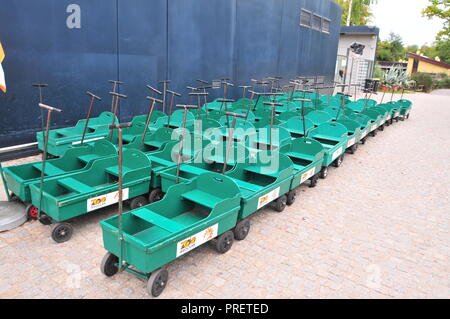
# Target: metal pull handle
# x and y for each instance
(118, 95)
(235, 114)
(245, 86)
(174, 93)
(272, 103)
(302, 100)
(200, 94)
(50, 108)
(123, 125)
(93, 95)
(165, 81)
(226, 101)
(153, 89)
(115, 82)
(202, 81)
(181, 106)
(42, 85)
(151, 98)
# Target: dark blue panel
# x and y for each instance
(201, 40)
(40, 48)
(142, 52)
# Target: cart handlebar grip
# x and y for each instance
(42, 85)
(245, 86)
(151, 98)
(228, 83)
(191, 88)
(303, 100)
(173, 92)
(273, 103)
(153, 89)
(93, 95)
(118, 94)
(115, 82)
(278, 77)
(205, 87)
(202, 81)
(199, 93)
(226, 101)
(50, 108)
(123, 125)
(165, 81)
(185, 106)
(235, 114)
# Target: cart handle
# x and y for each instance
(226, 101)
(302, 100)
(202, 81)
(123, 125)
(273, 104)
(174, 93)
(235, 114)
(187, 106)
(245, 86)
(228, 84)
(115, 82)
(165, 81)
(200, 94)
(93, 95)
(42, 85)
(118, 95)
(50, 108)
(153, 89)
(151, 98)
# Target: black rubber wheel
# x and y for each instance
(45, 220)
(381, 128)
(224, 242)
(108, 267)
(407, 116)
(323, 172)
(157, 282)
(338, 161)
(280, 203)
(290, 198)
(62, 232)
(137, 202)
(373, 133)
(32, 212)
(353, 148)
(313, 181)
(155, 195)
(242, 229)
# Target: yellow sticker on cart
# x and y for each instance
(307, 175)
(336, 153)
(351, 142)
(189, 243)
(270, 196)
(106, 200)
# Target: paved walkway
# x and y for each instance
(379, 226)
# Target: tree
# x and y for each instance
(440, 9)
(391, 50)
(360, 11)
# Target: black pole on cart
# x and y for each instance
(119, 127)
(244, 93)
(230, 137)
(226, 84)
(303, 114)
(88, 115)
(199, 95)
(50, 110)
(149, 116)
(250, 102)
(180, 152)
(164, 93)
(172, 100)
(204, 88)
(40, 86)
(272, 116)
(114, 89)
(117, 96)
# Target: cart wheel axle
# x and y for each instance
(32, 212)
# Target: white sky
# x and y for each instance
(404, 17)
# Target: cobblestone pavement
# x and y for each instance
(376, 227)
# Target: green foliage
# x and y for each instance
(423, 79)
(360, 11)
(440, 9)
(443, 83)
(391, 50)
(443, 50)
(396, 76)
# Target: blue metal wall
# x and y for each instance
(141, 42)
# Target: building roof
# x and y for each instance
(360, 29)
(428, 60)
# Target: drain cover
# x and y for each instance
(12, 215)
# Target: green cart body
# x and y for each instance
(307, 156)
(333, 137)
(83, 192)
(405, 108)
(188, 216)
(354, 131)
(318, 117)
(294, 126)
(60, 140)
(76, 159)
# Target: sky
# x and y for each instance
(404, 17)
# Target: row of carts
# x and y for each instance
(192, 173)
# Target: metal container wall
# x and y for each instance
(142, 42)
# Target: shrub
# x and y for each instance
(443, 84)
(423, 79)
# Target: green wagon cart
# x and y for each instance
(80, 193)
(144, 240)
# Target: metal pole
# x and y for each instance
(172, 99)
(147, 121)
(182, 139)
(116, 107)
(230, 137)
(88, 116)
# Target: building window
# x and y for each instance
(326, 25)
(305, 18)
(317, 22)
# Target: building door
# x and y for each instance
(415, 66)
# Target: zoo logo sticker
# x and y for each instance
(351, 142)
(196, 240)
(307, 175)
(105, 200)
(336, 153)
(270, 196)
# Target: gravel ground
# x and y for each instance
(377, 227)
